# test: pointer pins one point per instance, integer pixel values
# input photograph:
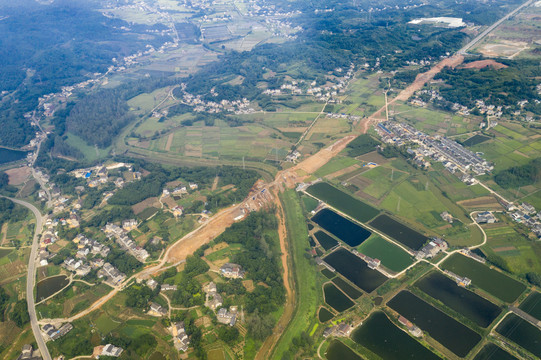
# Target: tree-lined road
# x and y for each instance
(31, 279)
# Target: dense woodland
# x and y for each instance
(518, 176)
(45, 47)
(362, 144)
(503, 87)
(10, 212)
(152, 184)
(260, 258)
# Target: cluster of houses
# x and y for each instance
(98, 175)
(341, 330)
(527, 215)
(121, 237)
(157, 310)
(431, 249)
(86, 247)
(53, 333)
(438, 148)
(180, 338)
(321, 93)
(200, 105)
(213, 299)
(113, 276)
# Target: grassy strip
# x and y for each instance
(304, 274)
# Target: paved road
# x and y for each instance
(492, 27)
(31, 279)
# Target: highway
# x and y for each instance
(492, 27)
(31, 279)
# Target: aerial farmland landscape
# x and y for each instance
(270, 179)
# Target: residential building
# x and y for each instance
(180, 338)
(228, 317)
(447, 217)
(485, 217)
(111, 350)
(157, 309)
(232, 271)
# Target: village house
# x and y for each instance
(110, 350)
(485, 217)
(55, 334)
(432, 248)
(152, 284)
(129, 225)
(167, 287)
(157, 309)
(414, 330)
(180, 338)
(213, 300)
(447, 217)
(232, 271)
(228, 317)
(28, 353)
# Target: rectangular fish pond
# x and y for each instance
(342, 201)
(336, 298)
(447, 331)
(491, 281)
(465, 302)
(532, 305)
(325, 240)
(493, 352)
(400, 232)
(521, 332)
(344, 229)
(392, 257)
(379, 335)
(337, 350)
(355, 270)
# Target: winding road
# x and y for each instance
(31, 279)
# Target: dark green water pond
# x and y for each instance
(328, 273)
(521, 332)
(344, 229)
(326, 241)
(342, 201)
(324, 315)
(447, 331)
(532, 305)
(465, 302)
(493, 352)
(8, 155)
(338, 351)
(336, 299)
(349, 289)
(355, 270)
(50, 285)
(379, 335)
(157, 356)
(490, 280)
(400, 232)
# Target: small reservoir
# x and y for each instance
(338, 351)
(400, 232)
(8, 155)
(447, 331)
(463, 301)
(344, 229)
(355, 270)
(336, 298)
(50, 285)
(379, 335)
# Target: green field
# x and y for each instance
(342, 201)
(391, 256)
(307, 297)
(491, 281)
(335, 164)
(383, 179)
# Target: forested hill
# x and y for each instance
(44, 47)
